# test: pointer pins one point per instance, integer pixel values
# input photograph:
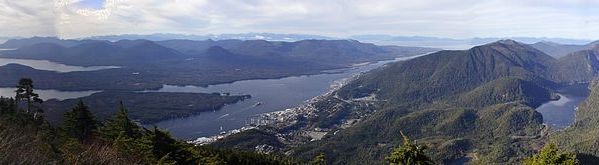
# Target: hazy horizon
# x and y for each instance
(340, 19)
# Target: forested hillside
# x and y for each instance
(462, 103)
(474, 105)
(27, 138)
(583, 136)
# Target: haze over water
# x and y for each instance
(51, 66)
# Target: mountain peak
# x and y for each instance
(508, 42)
(505, 44)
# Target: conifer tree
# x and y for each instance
(25, 93)
(409, 154)
(120, 123)
(79, 123)
(163, 144)
(551, 155)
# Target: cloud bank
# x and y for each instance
(339, 18)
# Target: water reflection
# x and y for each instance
(51, 66)
(267, 96)
(50, 93)
(561, 113)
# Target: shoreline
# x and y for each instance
(284, 116)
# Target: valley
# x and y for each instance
(186, 72)
(524, 91)
(271, 94)
(561, 113)
(299, 82)
(500, 86)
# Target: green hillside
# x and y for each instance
(27, 138)
(583, 136)
(475, 104)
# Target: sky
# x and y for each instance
(577, 19)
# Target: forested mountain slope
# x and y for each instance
(472, 101)
(583, 136)
(475, 105)
(580, 66)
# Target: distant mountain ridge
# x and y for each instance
(146, 64)
(94, 52)
(239, 36)
(335, 53)
(22, 42)
(557, 50)
(456, 44)
(461, 102)
(380, 39)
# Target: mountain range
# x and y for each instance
(98, 52)
(187, 62)
(476, 105)
(380, 39)
(239, 36)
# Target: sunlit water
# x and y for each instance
(51, 66)
(49, 94)
(561, 113)
(272, 94)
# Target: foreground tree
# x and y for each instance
(121, 125)
(165, 148)
(409, 154)
(25, 93)
(551, 155)
(79, 123)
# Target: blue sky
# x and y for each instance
(337, 18)
(91, 4)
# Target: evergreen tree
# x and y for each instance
(164, 145)
(551, 155)
(120, 123)
(79, 123)
(320, 159)
(165, 160)
(25, 93)
(409, 154)
(129, 147)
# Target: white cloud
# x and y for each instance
(467, 18)
(24, 17)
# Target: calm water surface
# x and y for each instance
(51, 66)
(561, 113)
(50, 93)
(272, 94)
